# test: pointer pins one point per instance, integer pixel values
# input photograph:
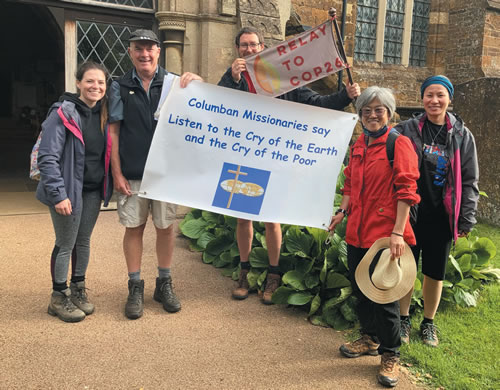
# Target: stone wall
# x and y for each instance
(491, 39)
(198, 36)
(403, 81)
(264, 16)
(478, 104)
(464, 44)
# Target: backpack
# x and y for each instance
(389, 147)
(34, 171)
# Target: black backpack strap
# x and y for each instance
(391, 145)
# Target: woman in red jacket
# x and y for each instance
(377, 197)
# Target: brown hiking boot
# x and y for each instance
(388, 374)
(272, 283)
(362, 346)
(79, 297)
(241, 292)
(61, 306)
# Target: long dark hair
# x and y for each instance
(82, 69)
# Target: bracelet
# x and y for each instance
(397, 234)
(343, 211)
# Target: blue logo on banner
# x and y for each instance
(241, 188)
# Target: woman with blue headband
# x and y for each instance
(448, 188)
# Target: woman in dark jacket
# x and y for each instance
(73, 160)
(449, 174)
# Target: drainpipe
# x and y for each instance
(344, 6)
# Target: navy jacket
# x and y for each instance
(334, 101)
(138, 124)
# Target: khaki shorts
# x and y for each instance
(133, 210)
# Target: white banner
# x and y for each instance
(300, 60)
(248, 156)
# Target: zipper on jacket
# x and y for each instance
(361, 192)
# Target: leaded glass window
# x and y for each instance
(419, 32)
(148, 4)
(366, 30)
(393, 34)
(105, 44)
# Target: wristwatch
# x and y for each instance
(343, 211)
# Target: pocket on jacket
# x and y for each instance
(386, 211)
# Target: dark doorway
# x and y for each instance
(32, 78)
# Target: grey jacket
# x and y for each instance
(61, 158)
(461, 192)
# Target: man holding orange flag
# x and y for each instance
(250, 41)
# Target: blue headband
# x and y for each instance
(444, 81)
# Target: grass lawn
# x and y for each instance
(469, 350)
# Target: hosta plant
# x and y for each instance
(315, 274)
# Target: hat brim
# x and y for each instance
(145, 39)
(409, 273)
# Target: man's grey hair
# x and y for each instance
(383, 94)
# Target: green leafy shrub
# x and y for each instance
(315, 275)
(467, 270)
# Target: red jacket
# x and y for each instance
(375, 188)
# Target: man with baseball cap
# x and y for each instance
(133, 100)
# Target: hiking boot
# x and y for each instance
(362, 346)
(241, 292)
(272, 283)
(428, 332)
(79, 297)
(405, 330)
(388, 374)
(165, 295)
(135, 300)
(61, 306)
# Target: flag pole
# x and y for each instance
(332, 12)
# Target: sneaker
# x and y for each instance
(272, 283)
(61, 306)
(388, 374)
(428, 332)
(135, 300)
(362, 346)
(165, 295)
(241, 292)
(405, 330)
(79, 297)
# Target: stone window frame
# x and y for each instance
(105, 3)
(71, 34)
(380, 32)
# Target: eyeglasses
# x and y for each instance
(379, 111)
(252, 45)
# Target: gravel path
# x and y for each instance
(214, 342)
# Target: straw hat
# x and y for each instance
(390, 280)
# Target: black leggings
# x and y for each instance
(434, 243)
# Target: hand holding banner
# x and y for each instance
(301, 60)
(247, 156)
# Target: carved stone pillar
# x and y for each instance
(172, 27)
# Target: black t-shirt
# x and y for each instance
(93, 137)
(433, 171)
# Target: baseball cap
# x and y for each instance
(143, 35)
